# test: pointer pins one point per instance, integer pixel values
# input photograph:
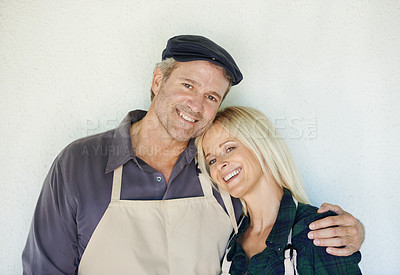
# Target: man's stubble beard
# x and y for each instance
(166, 113)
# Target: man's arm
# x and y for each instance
(342, 234)
(51, 247)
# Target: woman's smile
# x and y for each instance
(233, 166)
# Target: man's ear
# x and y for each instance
(157, 81)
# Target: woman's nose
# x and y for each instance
(222, 164)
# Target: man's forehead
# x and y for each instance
(203, 72)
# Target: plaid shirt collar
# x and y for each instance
(278, 238)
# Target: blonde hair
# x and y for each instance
(254, 130)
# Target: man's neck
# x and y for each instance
(153, 146)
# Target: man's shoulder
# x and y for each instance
(94, 145)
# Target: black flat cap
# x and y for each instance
(185, 48)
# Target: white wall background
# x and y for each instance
(326, 72)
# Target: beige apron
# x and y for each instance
(178, 236)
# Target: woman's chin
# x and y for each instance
(234, 190)
(236, 193)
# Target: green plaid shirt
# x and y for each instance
(310, 259)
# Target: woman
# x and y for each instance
(244, 155)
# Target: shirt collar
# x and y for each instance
(190, 151)
(278, 238)
(121, 150)
(121, 147)
(284, 222)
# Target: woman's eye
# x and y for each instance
(187, 85)
(211, 162)
(230, 149)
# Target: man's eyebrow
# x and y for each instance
(214, 94)
(191, 81)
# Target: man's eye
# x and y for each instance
(210, 97)
(230, 149)
(187, 85)
(211, 162)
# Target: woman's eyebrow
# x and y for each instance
(219, 146)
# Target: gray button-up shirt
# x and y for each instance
(77, 191)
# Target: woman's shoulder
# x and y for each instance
(311, 257)
(306, 214)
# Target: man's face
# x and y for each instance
(188, 101)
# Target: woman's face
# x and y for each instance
(233, 166)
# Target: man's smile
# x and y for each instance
(186, 117)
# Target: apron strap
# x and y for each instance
(226, 265)
(229, 207)
(290, 261)
(289, 241)
(116, 187)
(290, 253)
(206, 185)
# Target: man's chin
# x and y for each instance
(183, 136)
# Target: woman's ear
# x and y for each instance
(157, 81)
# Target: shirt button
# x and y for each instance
(158, 179)
(280, 249)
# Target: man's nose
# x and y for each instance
(195, 103)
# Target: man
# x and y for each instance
(140, 206)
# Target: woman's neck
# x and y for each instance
(263, 206)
